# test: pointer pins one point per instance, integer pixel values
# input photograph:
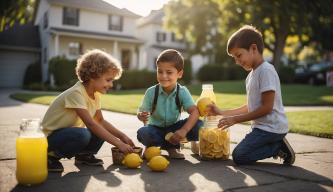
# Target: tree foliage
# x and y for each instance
(277, 19)
(15, 11)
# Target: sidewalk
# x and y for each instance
(312, 171)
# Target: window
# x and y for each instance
(160, 36)
(115, 23)
(74, 48)
(45, 20)
(175, 39)
(70, 16)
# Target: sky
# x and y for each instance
(140, 7)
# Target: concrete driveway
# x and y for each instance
(312, 171)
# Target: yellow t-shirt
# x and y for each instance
(61, 113)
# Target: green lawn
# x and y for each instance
(229, 94)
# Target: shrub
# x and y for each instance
(187, 76)
(33, 74)
(286, 74)
(214, 72)
(136, 79)
(63, 70)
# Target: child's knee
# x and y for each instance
(240, 158)
(144, 136)
(83, 136)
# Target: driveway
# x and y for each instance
(312, 171)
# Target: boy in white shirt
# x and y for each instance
(264, 103)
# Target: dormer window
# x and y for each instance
(115, 22)
(160, 36)
(45, 20)
(70, 16)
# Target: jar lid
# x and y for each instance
(207, 86)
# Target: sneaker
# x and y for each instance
(175, 154)
(54, 165)
(88, 159)
(286, 153)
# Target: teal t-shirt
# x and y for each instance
(166, 112)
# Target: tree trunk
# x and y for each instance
(278, 49)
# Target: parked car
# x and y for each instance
(314, 74)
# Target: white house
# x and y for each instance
(70, 27)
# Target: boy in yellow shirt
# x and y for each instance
(74, 123)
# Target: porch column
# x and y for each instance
(56, 45)
(134, 60)
(115, 50)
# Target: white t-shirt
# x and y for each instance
(265, 78)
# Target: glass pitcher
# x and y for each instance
(31, 153)
(214, 143)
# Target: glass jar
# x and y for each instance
(208, 91)
(214, 143)
(31, 153)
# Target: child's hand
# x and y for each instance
(177, 137)
(226, 122)
(125, 148)
(127, 140)
(212, 110)
(143, 116)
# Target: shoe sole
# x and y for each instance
(55, 170)
(293, 157)
(86, 163)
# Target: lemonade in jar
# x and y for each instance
(214, 143)
(31, 153)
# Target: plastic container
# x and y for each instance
(214, 143)
(31, 153)
(118, 156)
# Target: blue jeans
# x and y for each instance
(150, 135)
(68, 142)
(257, 145)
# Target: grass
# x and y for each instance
(229, 94)
(316, 123)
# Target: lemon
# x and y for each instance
(202, 104)
(150, 152)
(212, 136)
(168, 136)
(132, 160)
(158, 163)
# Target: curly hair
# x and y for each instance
(94, 63)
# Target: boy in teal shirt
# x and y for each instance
(162, 104)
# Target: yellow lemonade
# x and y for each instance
(31, 160)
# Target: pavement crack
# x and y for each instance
(264, 184)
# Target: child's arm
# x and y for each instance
(113, 130)
(265, 108)
(212, 109)
(101, 132)
(181, 133)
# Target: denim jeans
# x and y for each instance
(257, 145)
(68, 142)
(150, 135)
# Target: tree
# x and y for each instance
(277, 19)
(16, 11)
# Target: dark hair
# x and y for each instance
(172, 56)
(244, 38)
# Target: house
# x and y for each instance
(19, 47)
(70, 27)
(157, 39)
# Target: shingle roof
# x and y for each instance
(97, 5)
(154, 17)
(21, 36)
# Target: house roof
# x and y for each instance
(26, 36)
(93, 34)
(155, 17)
(96, 5)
